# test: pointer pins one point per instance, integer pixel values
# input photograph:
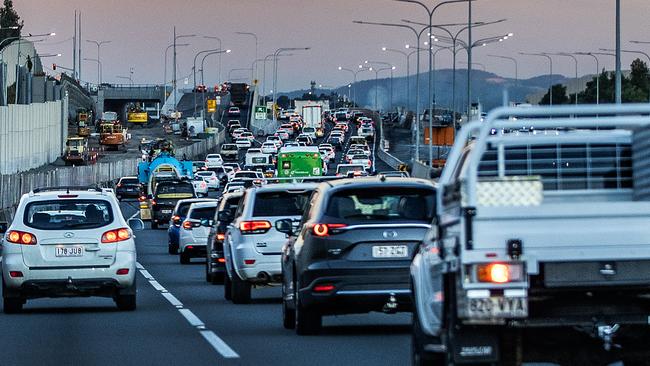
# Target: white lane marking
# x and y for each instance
(218, 344)
(191, 318)
(157, 286)
(146, 274)
(134, 215)
(172, 299)
(138, 265)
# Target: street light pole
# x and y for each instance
(514, 60)
(165, 68)
(576, 69)
(220, 47)
(256, 46)
(275, 70)
(619, 75)
(99, 45)
(194, 70)
(354, 74)
(408, 71)
(597, 73)
(100, 68)
(550, 75)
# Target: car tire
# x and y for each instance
(119, 198)
(308, 321)
(184, 258)
(154, 225)
(11, 303)
(240, 290)
(419, 356)
(288, 314)
(218, 278)
(227, 287)
(126, 302)
(172, 249)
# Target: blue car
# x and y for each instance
(178, 216)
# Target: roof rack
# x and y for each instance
(68, 189)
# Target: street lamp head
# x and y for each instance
(228, 51)
(407, 46)
(365, 62)
(340, 68)
(52, 34)
(393, 68)
(383, 48)
(58, 55)
(361, 66)
(510, 34)
(370, 69)
(484, 44)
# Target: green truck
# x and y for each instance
(298, 161)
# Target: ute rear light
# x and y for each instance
(499, 272)
(249, 262)
(221, 237)
(187, 225)
(21, 237)
(254, 227)
(323, 230)
(117, 235)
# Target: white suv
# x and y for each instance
(66, 242)
(253, 246)
(193, 233)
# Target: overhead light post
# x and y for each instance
(194, 70)
(129, 78)
(597, 72)
(99, 45)
(514, 60)
(415, 133)
(619, 74)
(381, 124)
(203, 81)
(100, 68)
(256, 45)
(165, 67)
(575, 60)
(408, 71)
(174, 78)
(550, 74)
(275, 70)
(631, 51)
(390, 67)
(354, 74)
(220, 47)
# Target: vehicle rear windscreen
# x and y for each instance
(130, 181)
(203, 213)
(350, 168)
(181, 190)
(67, 214)
(246, 175)
(380, 204)
(280, 203)
(182, 209)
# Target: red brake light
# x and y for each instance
(21, 237)
(324, 288)
(254, 227)
(499, 272)
(249, 261)
(153, 202)
(117, 235)
(187, 225)
(221, 260)
(15, 274)
(122, 271)
(325, 229)
(68, 196)
(221, 237)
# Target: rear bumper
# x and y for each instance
(194, 250)
(214, 263)
(356, 291)
(106, 287)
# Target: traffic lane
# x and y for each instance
(92, 331)
(255, 331)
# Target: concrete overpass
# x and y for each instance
(116, 97)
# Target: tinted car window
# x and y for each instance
(204, 213)
(380, 204)
(68, 214)
(280, 204)
(130, 181)
(182, 209)
(175, 190)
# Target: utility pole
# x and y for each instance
(74, 48)
(174, 72)
(619, 77)
(79, 40)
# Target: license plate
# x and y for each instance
(69, 251)
(498, 307)
(166, 211)
(390, 251)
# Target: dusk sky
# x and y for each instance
(141, 29)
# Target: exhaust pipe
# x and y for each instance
(391, 306)
(264, 277)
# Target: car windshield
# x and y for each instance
(67, 214)
(229, 147)
(380, 204)
(280, 203)
(203, 213)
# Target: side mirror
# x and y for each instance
(285, 226)
(136, 224)
(3, 227)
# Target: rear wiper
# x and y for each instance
(369, 216)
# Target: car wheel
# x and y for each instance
(288, 314)
(154, 225)
(208, 275)
(227, 287)
(419, 355)
(11, 304)
(218, 278)
(185, 258)
(119, 198)
(240, 290)
(172, 248)
(126, 302)
(308, 321)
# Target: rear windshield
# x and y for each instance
(280, 203)
(229, 147)
(308, 129)
(246, 175)
(205, 174)
(204, 213)
(381, 204)
(182, 209)
(68, 214)
(130, 181)
(351, 168)
(174, 190)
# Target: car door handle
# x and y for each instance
(93, 249)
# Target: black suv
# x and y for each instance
(128, 187)
(165, 197)
(352, 250)
(215, 266)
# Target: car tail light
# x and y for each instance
(142, 198)
(221, 260)
(499, 272)
(249, 262)
(68, 196)
(369, 162)
(323, 230)
(203, 185)
(15, 274)
(187, 225)
(327, 287)
(21, 237)
(122, 271)
(153, 202)
(254, 227)
(119, 185)
(221, 237)
(114, 236)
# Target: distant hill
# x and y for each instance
(486, 86)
